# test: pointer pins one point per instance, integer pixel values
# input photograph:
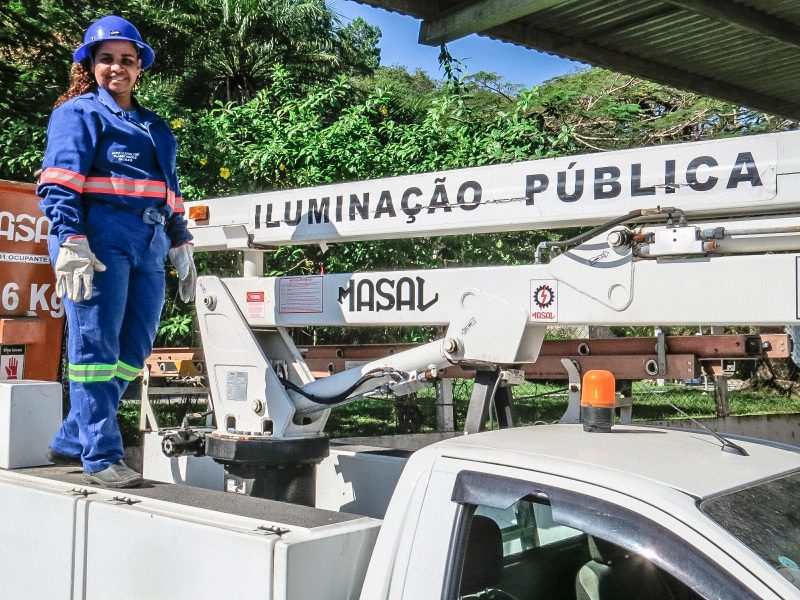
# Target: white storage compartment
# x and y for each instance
(156, 551)
(165, 541)
(30, 415)
(37, 530)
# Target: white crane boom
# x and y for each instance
(700, 233)
(738, 176)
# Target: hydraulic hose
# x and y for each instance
(586, 235)
(341, 396)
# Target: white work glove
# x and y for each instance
(182, 258)
(75, 267)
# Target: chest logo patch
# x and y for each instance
(124, 156)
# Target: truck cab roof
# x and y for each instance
(636, 459)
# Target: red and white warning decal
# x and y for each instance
(255, 304)
(544, 301)
(12, 362)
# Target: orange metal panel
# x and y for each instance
(164, 362)
(27, 284)
(778, 345)
(22, 330)
(625, 357)
(679, 366)
(703, 346)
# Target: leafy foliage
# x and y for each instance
(275, 94)
(21, 148)
(175, 327)
(290, 137)
(608, 111)
(206, 50)
(239, 41)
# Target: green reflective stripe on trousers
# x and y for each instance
(127, 372)
(87, 373)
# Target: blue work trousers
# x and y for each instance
(112, 334)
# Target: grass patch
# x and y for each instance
(168, 414)
(546, 402)
(533, 402)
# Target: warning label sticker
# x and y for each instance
(20, 257)
(255, 304)
(12, 362)
(300, 294)
(236, 386)
(544, 301)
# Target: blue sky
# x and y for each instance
(399, 46)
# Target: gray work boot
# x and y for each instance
(118, 475)
(62, 459)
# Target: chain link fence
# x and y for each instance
(755, 387)
(538, 401)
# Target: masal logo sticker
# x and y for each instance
(544, 301)
(544, 296)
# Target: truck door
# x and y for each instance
(519, 539)
(489, 532)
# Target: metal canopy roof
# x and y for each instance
(744, 51)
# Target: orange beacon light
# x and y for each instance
(598, 396)
(198, 212)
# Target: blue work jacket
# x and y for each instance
(95, 152)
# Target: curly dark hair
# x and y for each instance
(81, 80)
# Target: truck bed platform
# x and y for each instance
(223, 502)
(162, 540)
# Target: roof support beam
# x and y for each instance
(579, 49)
(477, 17)
(743, 17)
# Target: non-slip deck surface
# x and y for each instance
(229, 503)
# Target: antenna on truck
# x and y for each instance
(727, 445)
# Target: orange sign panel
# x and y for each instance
(31, 314)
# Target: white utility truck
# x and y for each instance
(701, 233)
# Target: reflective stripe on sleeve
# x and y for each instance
(175, 202)
(121, 186)
(127, 372)
(71, 179)
(89, 373)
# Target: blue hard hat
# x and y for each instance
(113, 28)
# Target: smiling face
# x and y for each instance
(116, 67)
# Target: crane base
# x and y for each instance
(273, 468)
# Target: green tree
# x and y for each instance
(288, 137)
(606, 111)
(411, 93)
(239, 42)
(36, 43)
(358, 42)
(300, 103)
(205, 50)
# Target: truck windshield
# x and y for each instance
(765, 518)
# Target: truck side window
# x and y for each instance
(520, 553)
(525, 525)
(517, 539)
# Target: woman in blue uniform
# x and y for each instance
(110, 190)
